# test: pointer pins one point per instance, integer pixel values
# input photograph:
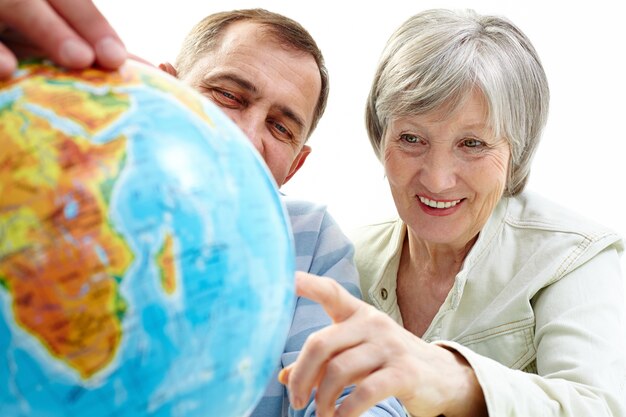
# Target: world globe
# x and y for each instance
(146, 261)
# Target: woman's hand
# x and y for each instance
(72, 33)
(367, 348)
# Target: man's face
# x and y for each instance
(269, 91)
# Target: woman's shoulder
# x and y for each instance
(555, 230)
(375, 234)
(530, 210)
(375, 244)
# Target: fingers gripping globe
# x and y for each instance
(146, 261)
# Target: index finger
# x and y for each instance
(45, 30)
(7, 62)
(85, 18)
(338, 303)
(73, 33)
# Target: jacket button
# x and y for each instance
(383, 293)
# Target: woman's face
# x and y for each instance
(446, 171)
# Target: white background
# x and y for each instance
(580, 163)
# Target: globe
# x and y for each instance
(146, 261)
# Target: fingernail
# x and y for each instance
(75, 53)
(110, 52)
(282, 376)
(7, 65)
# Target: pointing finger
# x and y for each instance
(338, 303)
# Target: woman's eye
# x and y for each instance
(409, 138)
(472, 143)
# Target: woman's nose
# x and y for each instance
(439, 171)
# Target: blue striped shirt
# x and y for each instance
(321, 249)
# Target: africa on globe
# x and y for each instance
(146, 263)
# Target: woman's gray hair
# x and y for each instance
(437, 57)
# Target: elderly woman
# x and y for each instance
(497, 301)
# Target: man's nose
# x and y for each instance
(253, 128)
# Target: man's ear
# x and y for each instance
(169, 68)
(298, 162)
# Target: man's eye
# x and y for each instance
(282, 133)
(225, 98)
(280, 128)
(228, 95)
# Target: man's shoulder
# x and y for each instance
(321, 247)
(312, 222)
(300, 207)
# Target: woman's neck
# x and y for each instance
(425, 276)
(435, 259)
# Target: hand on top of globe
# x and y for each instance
(73, 33)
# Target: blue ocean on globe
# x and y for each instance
(146, 261)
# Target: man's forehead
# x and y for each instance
(247, 31)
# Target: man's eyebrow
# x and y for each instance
(290, 114)
(248, 86)
(241, 82)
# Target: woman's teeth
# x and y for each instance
(439, 204)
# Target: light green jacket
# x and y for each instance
(537, 308)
